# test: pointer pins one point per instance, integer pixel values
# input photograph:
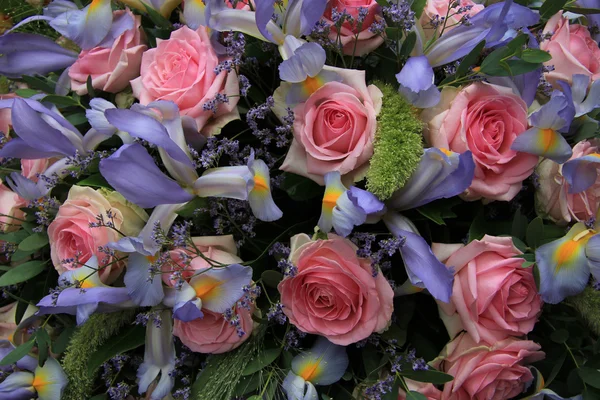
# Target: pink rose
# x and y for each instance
(484, 119)
(439, 8)
(552, 197)
(10, 213)
(334, 129)
(111, 68)
(572, 49)
(181, 69)
(32, 168)
(212, 333)
(7, 321)
(71, 236)
(333, 293)
(493, 296)
(366, 41)
(5, 122)
(495, 372)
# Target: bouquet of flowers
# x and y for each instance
(299, 199)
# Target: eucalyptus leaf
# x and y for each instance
(261, 360)
(18, 353)
(131, 338)
(22, 272)
(34, 242)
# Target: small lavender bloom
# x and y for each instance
(276, 313)
(119, 392)
(244, 85)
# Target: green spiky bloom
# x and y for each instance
(85, 341)
(398, 144)
(224, 371)
(587, 303)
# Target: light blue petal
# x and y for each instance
(144, 288)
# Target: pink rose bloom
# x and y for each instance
(485, 119)
(7, 321)
(181, 69)
(552, 197)
(572, 49)
(32, 168)
(481, 372)
(366, 41)
(111, 68)
(335, 128)
(334, 293)
(71, 236)
(212, 333)
(5, 122)
(426, 389)
(493, 296)
(439, 8)
(10, 204)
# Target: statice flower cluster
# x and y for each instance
(215, 148)
(400, 13)
(149, 316)
(276, 314)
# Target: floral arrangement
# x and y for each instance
(299, 199)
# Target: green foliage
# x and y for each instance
(398, 145)
(587, 303)
(84, 343)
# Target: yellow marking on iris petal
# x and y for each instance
(445, 151)
(86, 284)
(207, 287)
(151, 259)
(312, 84)
(330, 199)
(594, 155)
(40, 380)
(310, 371)
(548, 139)
(94, 5)
(260, 183)
(567, 251)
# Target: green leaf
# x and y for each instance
(431, 376)
(18, 353)
(34, 242)
(263, 359)
(90, 87)
(77, 119)
(39, 83)
(393, 394)
(519, 225)
(43, 342)
(325, 397)
(478, 226)
(271, 278)
(383, 3)
(396, 333)
(158, 19)
(21, 255)
(102, 396)
(469, 60)
(438, 210)
(130, 339)
(412, 395)
(255, 397)
(490, 64)
(22, 272)
(535, 233)
(96, 180)
(26, 93)
(245, 384)
(559, 336)
(551, 7)
(61, 343)
(187, 211)
(590, 376)
(408, 44)
(60, 101)
(300, 188)
(418, 6)
(14, 237)
(535, 56)
(582, 10)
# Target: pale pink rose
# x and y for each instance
(426, 389)
(181, 69)
(32, 168)
(485, 119)
(5, 122)
(439, 8)
(71, 236)
(10, 213)
(572, 49)
(218, 248)
(552, 197)
(335, 128)
(333, 292)
(481, 372)
(111, 68)
(493, 296)
(366, 41)
(213, 333)
(7, 321)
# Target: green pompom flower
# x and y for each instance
(398, 144)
